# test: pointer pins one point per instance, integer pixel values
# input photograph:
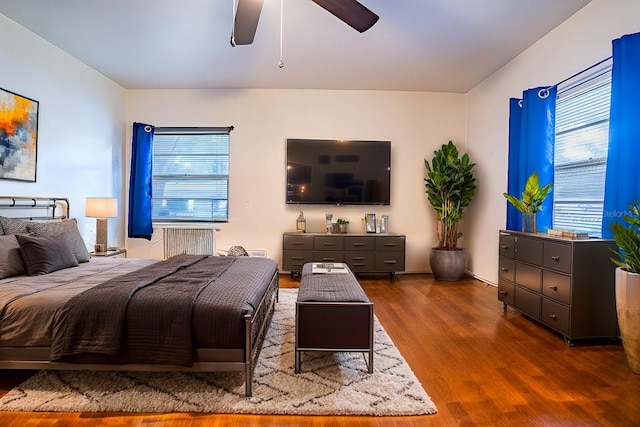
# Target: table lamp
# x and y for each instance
(101, 208)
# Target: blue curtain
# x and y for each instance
(513, 178)
(140, 193)
(622, 184)
(531, 144)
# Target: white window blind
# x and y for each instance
(190, 174)
(582, 137)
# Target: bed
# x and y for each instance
(190, 313)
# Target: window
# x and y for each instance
(582, 137)
(190, 174)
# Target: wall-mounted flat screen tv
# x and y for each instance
(337, 172)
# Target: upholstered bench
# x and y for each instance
(332, 314)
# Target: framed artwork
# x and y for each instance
(18, 136)
(370, 223)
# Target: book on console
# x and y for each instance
(329, 268)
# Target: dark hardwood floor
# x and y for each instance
(480, 365)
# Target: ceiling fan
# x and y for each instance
(351, 12)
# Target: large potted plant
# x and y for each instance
(531, 201)
(627, 239)
(450, 186)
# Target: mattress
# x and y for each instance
(29, 304)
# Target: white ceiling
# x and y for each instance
(421, 45)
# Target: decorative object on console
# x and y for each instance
(101, 208)
(384, 224)
(370, 223)
(329, 218)
(532, 198)
(450, 186)
(343, 224)
(628, 284)
(301, 223)
(18, 136)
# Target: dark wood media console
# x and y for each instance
(363, 253)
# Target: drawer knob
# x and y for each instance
(553, 287)
(553, 316)
(504, 247)
(502, 292)
(504, 269)
(555, 258)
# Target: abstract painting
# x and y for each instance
(18, 136)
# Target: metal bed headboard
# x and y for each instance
(35, 208)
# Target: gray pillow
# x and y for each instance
(68, 228)
(13, 226)
(44, 255)
(11, 263)
(237, 251)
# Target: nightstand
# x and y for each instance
(110, 252)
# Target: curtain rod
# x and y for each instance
(585, 70)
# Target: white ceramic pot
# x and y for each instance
(628, 309)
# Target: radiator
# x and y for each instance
(190, 241)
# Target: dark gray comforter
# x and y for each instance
(159, 313)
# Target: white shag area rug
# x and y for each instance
(329, 384)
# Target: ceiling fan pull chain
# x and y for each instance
(281, 62)
(233, 23)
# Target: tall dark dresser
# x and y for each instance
(565, 284)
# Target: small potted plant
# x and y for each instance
(627, 282)
(532, 198)
(342, 225)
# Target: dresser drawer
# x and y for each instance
(529, 250)
(528, 302)
(506, 292)
(328, 256)
(359, 261)
(507, 269)
(390, 244)
(326, 243)
(389, 261)
(294, 260)
(529, 276)
(555, 315)
(303, 243)
(557, 256)
(355, 243)
(507, 245)
(556, 286)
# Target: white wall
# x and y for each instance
(579, 42)
(80, 132)
(415, 123)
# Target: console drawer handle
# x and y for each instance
(553, 287)
(502, 292)
(390, 244)
(504, 247)
(297, 258)
(358, 258)
(504, 269)
(389, 261)
(328, 259)
(328, 244)
(555, 258)
(358, 244)
(297, 243)
(553, 316)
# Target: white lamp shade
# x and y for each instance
(101, 207)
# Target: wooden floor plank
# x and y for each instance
(482, 366)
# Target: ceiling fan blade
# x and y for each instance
(351, 12)
(246, 21)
